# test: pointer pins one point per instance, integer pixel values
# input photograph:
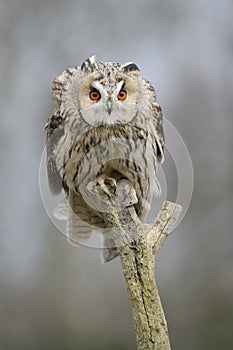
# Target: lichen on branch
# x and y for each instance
(138, 244)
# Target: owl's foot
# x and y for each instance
(107, 184)
(120, 193)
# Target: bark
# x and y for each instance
(138, 244)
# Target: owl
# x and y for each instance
(107, 123)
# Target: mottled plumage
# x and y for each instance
(106, 121)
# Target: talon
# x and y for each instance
(106, 192)
(111, 182)
(107, 184)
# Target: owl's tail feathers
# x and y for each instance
(80, 221)
(78, 231)
(109, 251)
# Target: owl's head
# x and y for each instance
(103, 93)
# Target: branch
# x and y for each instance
(138, 244)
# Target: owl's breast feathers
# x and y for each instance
(128, 149)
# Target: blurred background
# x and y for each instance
(53, 296)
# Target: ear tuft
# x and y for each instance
(130, 67)
(88, 64)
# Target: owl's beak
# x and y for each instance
(109, 107)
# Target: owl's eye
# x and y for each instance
(122, 95)
(94, 95)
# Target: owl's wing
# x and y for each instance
(157, 122)
(150, 188)
(54, 130)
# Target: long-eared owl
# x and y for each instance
(106, 122)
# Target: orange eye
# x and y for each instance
(122, 95)
(94, 95)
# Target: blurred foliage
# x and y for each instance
(55, 296)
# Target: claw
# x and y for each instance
(110, 181)
(107, 184)
(120, 192)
